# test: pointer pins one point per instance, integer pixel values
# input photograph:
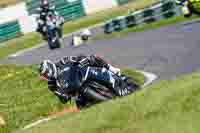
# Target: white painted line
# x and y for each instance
(26, 50)
(43, 44)
(38, 122)
(1, 104)
(197, 20)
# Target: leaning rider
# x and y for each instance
(99, 70)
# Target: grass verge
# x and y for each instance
(6, 3)
(169, 106)
(33, 39)
(15, 45)
(145, 27)
(25, 98)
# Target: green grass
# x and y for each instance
(24, 98)
(171, 106)
(17, 44)
(24, 95)
(145, 27)
(5, 3)
(34, 39)
(105, 15)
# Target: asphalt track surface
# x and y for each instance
(168, 52)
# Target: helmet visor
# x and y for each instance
(44, 76)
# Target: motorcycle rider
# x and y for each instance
(93, 67)
(46, 10)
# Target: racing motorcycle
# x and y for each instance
(91, 92)
(52, 30)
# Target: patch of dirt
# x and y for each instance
(66, 110)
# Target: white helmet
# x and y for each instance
(48, 69)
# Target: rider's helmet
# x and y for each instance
(45, 4)
(48, 70)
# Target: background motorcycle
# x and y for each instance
(51, 30)
(54, 32)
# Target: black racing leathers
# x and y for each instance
(85, 68)
(83, 61)
(42, 19)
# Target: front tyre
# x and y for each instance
(55, 43)
(130, 84)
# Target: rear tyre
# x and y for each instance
(93, 95)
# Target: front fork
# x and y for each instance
(52, 35)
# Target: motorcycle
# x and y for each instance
(54, 33)
(52, 30)
(91, 92)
